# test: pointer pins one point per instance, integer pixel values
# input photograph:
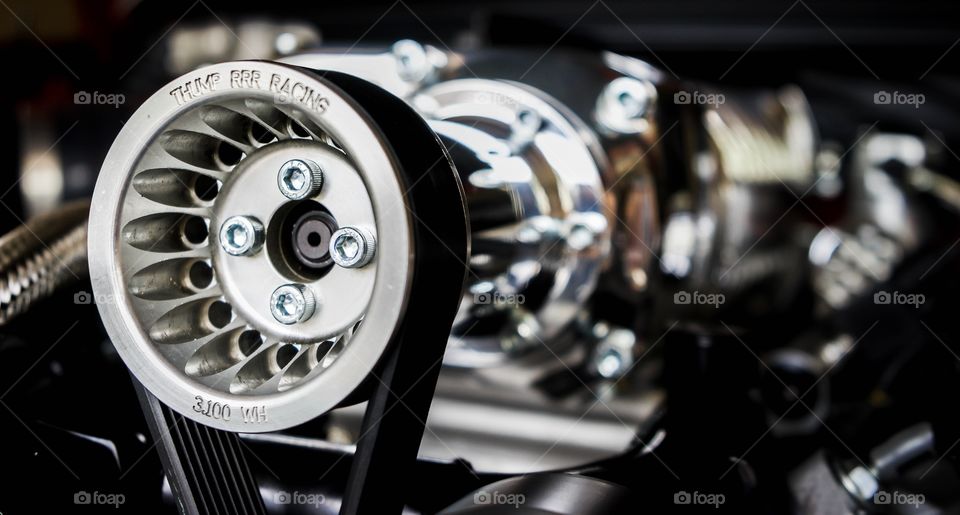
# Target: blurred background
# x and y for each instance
(56, 51)
(75, 71)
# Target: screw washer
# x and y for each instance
(366, 247)
(299, 179)
(297, 296)
(253, 235)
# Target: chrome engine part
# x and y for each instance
(32, 270)
(581, 190)
(244, 205)
(536, 183)
(380, 275)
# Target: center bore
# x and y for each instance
(311, 239)
(303, 232)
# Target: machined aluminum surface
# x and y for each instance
(192, 322)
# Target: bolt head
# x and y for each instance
(292, 303)
(631, 95)
(413, 64)
(623, 104)
(610, 364)
(581, 236)
(352, 247)
(861, 482)
(612, 357)
(299, 179)
(241, 235)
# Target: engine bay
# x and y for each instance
(284, 264)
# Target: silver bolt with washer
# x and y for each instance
(352, 247)
(299, 179)
(241, 235)
(292, 303)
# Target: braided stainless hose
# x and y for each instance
(41, 255)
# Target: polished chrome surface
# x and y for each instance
(739, 161)
(883, 225)
(552, 191)
(623, 103)
(730, 228)
(535, 200)
(568, 191)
